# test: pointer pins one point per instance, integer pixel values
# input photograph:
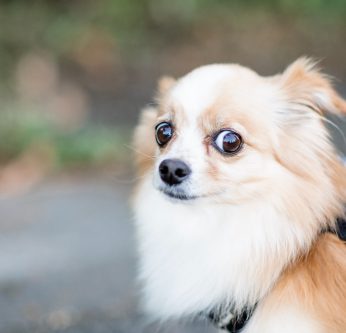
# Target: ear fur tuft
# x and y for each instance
(165, 84)
(305, 83)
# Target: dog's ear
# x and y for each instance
(144, 140)
(165, 84)
(308, 95)
(307, 86)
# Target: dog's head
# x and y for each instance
(223, 133)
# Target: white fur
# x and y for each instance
(196, 256)
(196, 91)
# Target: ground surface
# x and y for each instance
(67, 261)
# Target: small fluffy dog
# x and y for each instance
(239, 189)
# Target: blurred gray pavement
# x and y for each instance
(67, 261)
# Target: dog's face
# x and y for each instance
(216, 135)
(223, 133)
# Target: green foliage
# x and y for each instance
(90, 145)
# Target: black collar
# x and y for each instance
(231, 322)
(341, 228)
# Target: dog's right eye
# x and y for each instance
(163, 133)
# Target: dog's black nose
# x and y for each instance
(173, 171)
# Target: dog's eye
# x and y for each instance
(228, 142)
(163, 133)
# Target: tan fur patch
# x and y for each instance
(165, 84)
(307, 85)
(316, 283)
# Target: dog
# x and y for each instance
(239, 191)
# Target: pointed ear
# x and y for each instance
(165, 84)
(306, 85)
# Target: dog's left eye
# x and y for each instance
(228, 142)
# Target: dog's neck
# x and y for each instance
(196, 256)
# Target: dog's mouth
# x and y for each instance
(179, 195)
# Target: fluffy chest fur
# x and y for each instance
(196, 257)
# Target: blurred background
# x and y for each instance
(73, 77)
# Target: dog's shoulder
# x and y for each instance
(317, 282)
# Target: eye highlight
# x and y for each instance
(227, 142)
(163, 133)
